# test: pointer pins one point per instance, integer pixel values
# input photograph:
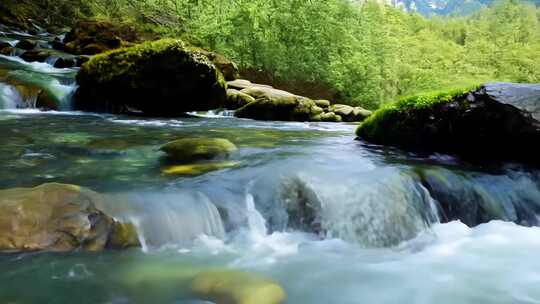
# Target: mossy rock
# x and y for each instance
(228, 68)
(273, 104)
(190, 149)
(349, 113)
(267, 92)
(237, 99)
(56, 217)
(237, 287)
(240, 84)
(198, 168)
(463, 121)
(158, 78)
(123, 236)
(322, 103)
(327, 117)
(90, 37)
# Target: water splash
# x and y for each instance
(9, 97)
(164, 219)
(256, 222)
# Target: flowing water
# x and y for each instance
(333, 220)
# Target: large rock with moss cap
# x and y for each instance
(480, 124)
(58, 217)
(159, 78)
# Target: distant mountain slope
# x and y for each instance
(444, 7)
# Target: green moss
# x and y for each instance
(426, 100)
(378, 123)
(118, 62)
(188, 149)
(135, 77)
(124, 61)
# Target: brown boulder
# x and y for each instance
(57, 217)
(228, 68)
(7, 51)
(25, 44)
(35, 55)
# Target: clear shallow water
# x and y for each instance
(381, 241)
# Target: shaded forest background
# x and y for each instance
(361, 54)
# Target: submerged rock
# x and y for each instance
(236, 287)
(198, 168)
(303, 206)
(90, 37)
(190, 149)
(58, 217)
(161, 78)
(476, 124)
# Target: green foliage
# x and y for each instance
(368, 53)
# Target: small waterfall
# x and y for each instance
(175, 218)
(475, 198)
(35, 85)
(381, 210)
(51, 60)
(9, 97)
(256, 222)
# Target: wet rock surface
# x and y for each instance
(493, 123)
(58, 217)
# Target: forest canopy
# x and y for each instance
(358, 53)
